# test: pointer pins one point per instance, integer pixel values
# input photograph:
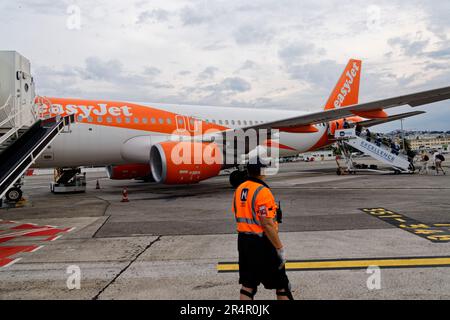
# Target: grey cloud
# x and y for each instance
(231, 85)
(208, 73)
(69, 81)
(440, 54)
(251, 34)
(409, 48)
(247, 65)
(97, 69)
(194, 16)
(151, 71)
(323, 74)
(45, 7)
(152, 16)
(296, 52)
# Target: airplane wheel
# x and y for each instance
(14, 195)
(237, 177)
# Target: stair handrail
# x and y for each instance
(385, 147)
(8, 117)
(44, 113)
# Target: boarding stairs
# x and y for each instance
(27, 125)
(399, 163)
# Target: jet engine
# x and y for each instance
(184, 162)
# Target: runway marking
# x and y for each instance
(352, 264)
(434, 232)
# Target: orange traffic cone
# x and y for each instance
(125, 195)
(97, 186)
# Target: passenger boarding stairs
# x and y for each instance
(348, 137)
(27, 126)
(19, 152)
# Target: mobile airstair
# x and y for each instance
(396, 161)
(25, 130)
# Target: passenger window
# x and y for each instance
(245, 122)
(251, 122)
(127, 120)
(144, 120)
(136, 120)
(119, 120)
(232, 122)
(180, 120)
(239, 122)
(153, 120)
(90, 119)
(80, 118)
(99, 119)
(169, 121)
(214, 121)
(161, 121)
(220, 122)
(108, 119)
(226, 122)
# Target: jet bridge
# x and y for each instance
(398, 162)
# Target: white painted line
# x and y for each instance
(12, 262)
(36, 249)
(56, 238)
(47, 225)
(22, 233)
(71, 229)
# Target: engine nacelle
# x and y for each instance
(129, 171)
(184, 162)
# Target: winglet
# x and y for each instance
(346, 91)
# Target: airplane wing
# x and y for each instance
(414, 100)
(375, 122)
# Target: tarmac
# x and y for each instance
(168, 242)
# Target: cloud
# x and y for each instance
(298, 52)
(280, 54)
(232, 85)
(153, 16)
(152, 71)
(97, 69)
(252, 34)
(323, 74)
(195, 15)
(409, 47)
(208, 73)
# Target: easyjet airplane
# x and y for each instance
(135, 140)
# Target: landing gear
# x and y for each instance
(237, 177)
(14, 194)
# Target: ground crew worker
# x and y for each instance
(261, 253)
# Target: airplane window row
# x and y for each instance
(235, 122)
(169, 121)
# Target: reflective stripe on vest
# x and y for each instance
(254, 204)
(250, 221)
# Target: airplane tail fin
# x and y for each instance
(346, 91)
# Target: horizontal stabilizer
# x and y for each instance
(375, 122)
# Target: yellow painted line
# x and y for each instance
(353, 264)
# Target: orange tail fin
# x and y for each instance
(346, 91)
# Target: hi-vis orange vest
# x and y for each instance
(253, 200)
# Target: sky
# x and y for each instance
(285, 54)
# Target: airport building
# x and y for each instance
(440, 142)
